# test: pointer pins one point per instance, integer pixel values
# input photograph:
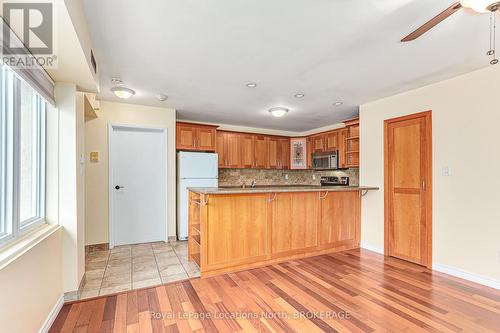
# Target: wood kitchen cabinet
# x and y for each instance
(229, 149)
(260, 152)
(318, 143)
(272, 153)
(352, 143)
(294, 222)
(247, 151)
(195, 137)
(284, 153)
(339, 218)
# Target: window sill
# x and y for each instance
(19, 247)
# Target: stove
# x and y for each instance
(334, 181)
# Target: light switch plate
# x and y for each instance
(446, 171)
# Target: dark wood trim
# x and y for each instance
(428, 193)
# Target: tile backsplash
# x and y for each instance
(236, 177)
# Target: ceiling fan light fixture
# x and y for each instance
(481, 6)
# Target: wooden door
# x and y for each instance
(284, 153)
(339, 218)
(247, 151)
(294, 222)
(408, 188)
(272, 153)
(221, 149)
(318, 144)
(260, 151)
(233, 150)
(185, 137)
(332, 141)
(205, 139)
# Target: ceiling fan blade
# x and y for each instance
(433, 22)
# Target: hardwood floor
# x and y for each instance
(352, 291)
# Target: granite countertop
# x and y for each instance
(276, 189)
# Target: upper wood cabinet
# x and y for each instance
(318, 143)
(272, 153)
(284, 153)
(247, 151)
(229, 149)
(195, 137)
(352, 143)
(260, 152)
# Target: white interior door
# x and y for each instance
(137, 168)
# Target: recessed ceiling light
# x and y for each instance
(299, 95)
(123, 92)
(162, 97)
(338, 103)
(251, 85)
(278, 112)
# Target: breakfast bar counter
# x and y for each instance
(233, 228)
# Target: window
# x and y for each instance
(22, 156)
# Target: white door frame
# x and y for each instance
(165, 158)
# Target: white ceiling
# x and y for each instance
(202, 53)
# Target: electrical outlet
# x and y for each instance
(314, 176)
(446, 171)
(286, 176)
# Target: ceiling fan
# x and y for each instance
(480, 6)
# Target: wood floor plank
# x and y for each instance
(375, 293)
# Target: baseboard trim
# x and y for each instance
(52, 315)
(372, 248)
(467, 276)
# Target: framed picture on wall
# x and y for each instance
(298, 153)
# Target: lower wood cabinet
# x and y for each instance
(294, 222)
(238, 231)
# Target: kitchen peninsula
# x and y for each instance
(239, 228)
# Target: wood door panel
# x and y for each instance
(408, 188)
(247, 151)
(318, 144)
(233, 150)
(407, 157)
(406, 227)
(260, 152)
(339, 217)
(332, 141)
(237, 228)
(185, 137)
(206, 139)
(272, 153)
(221, 149)
(284, 153)
(294, 221)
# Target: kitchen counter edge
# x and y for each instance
(222, 190)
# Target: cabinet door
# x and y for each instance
(236, 229)
(260, 152)
(247, 151)
(233, 150)
(185, 137)
(294, 222)
(339, 218)
(272, 153)
(332, 141)
(318, 144)
(342, 148)
(205, 139)
(284, 153)
(309, 153)
(221, 149)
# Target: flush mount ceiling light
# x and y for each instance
(299, 95)
(338, 103)
(123, 92)
(162, 97)
(481, 6)
(251, 85)
(278, 112)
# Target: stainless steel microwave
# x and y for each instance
(325, 161)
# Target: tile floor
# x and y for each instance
(135, 266)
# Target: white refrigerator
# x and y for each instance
(193, 170)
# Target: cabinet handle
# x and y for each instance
(423, 185)
(225, 162)
(323, 197)
(273, 198)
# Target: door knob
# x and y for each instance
(117, 187)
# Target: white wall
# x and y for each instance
(96, 185)
(466, 214)
(71, 195)
(30, 286)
